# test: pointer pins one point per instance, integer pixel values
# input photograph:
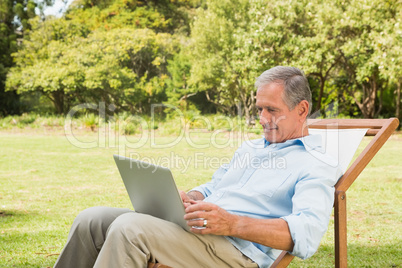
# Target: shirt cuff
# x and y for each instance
(306, 238)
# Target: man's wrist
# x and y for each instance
(195, 195)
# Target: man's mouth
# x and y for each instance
(269, 128)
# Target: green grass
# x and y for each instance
(45, 181)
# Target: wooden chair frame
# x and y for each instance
(381, 129)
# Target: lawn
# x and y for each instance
(47, 179)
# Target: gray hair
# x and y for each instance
(296, 87)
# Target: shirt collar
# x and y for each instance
(310, 142)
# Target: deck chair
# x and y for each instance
(381, 129)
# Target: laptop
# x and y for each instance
(152, 190)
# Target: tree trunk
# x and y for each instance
(217, 104)
(322, 83)
(57, 97)
(372, 96)
(246, 107)
(252, 108)
(367, 105)
(398, 100)
(323, 76)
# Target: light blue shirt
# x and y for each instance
(278, 180)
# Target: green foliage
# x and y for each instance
(178, 89)
(134, 53)
(160, 16)
(109, 51)
(228, 54)
(90, 121)
(14, 21)
(31, 121)
(234, 41)
(362, 29)
(121, 66)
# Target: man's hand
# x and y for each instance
(269, 232)
(190, 197)
(187, 201)
(218, 221)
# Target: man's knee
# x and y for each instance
(129, 221)
(134, 226)
(96, 220)
(89, 216)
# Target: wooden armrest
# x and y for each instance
(157, 265)
(283, 260)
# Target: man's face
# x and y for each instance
(279, 123)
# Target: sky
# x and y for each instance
(59, 7)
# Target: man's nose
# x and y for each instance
(265, 117)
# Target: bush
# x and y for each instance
(90, 121)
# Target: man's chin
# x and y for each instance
(271, 137)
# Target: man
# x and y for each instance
(274, 195)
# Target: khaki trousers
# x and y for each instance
(114, 237)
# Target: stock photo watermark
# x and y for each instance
(203, 161)
(111, 126)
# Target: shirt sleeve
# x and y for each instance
(208, 188)
(312, 205)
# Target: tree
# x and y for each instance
(100, 52)
(14, 17)
(41, 50)
(314, 43)
(389, 53)
(69, 64)
(161, 16)
(233, 42)
(350, 52)
(178, 90)
(335, 42)
(362, 28)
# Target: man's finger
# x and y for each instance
(195, 215)
(200, 205)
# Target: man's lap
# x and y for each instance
(168, 243)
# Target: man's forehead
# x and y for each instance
(270, 94)
(271, 88)
(274, 84)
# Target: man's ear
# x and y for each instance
(302, 109)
